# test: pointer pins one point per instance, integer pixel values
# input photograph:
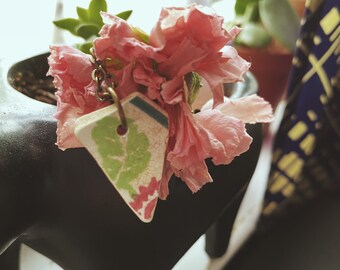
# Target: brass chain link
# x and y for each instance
(105, 90)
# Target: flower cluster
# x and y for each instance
(184, 40)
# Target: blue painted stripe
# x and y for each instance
(151, 111)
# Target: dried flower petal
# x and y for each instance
(71, 70)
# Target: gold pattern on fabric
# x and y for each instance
(296, 62)
(288, 190)
(317, 40)
(330, 21)
(323, 99)
(307, 145)
(297, 131)
(270, 208)
(312, 115)
(335, 34)
(280, 182)
(317, 67)
(291, 164)
(306, 154)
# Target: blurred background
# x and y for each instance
(26, 26)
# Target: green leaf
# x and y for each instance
(69, 24)
(241, 5)
(94, 11)
(253, 35)
(123, 158)
(193, 81)
(125, 14)
(140, 34)
(83, 14)
(138, 156)
(85, 47)
(281, 21)
(87, 30)
(251, 13)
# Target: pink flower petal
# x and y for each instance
(228, 131)
(135, 59)
(228, 68)
(196, 176)
(147, 77)
(71, 70)
(164, 184)
(191, 141)
(194, 39)
(172, 91)
(194, 22)
(251, 109)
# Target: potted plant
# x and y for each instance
(269, 32)
(64, 206)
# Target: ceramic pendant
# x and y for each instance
(132, 162)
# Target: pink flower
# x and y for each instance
(217, 133)
(71, 70)
(250, 109)
(184, 40)
(135, 60)
(193, 39)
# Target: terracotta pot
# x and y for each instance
(271, 68)
(298, 6)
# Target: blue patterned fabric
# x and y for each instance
(306, 154)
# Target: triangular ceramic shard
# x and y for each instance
(133, 162)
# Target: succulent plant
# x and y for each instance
(263, 20)
(88, 23)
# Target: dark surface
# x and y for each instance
(218, 235)
(61, 204)
(307, 238)
(9, 260)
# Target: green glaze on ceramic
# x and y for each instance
(125, 157)
(133, 162)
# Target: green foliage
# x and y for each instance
(263, 20)
(88, 23)
(193, 82)
(125, 14)
(254, 35)
(69, 24)
(140, 34)
(280, 21)
(241, 6)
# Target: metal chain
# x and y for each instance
(99, 75)
(105, 90)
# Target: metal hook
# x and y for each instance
(122, 129)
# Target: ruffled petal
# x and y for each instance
(164, 183)
(250, 109)
(191, 141)
(66, 116)
(196, 176)
(118, 39)
(184, 59)
(229, 68)
(228, 131)
(147, 77)
(172, 91)
(71, 70)
(198, 23)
